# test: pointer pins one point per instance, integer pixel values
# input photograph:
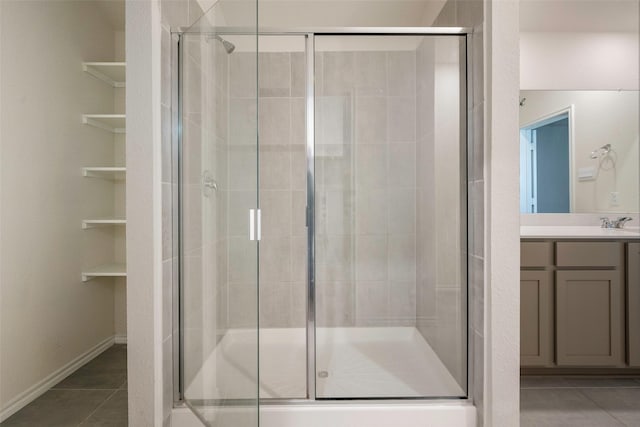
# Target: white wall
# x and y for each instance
(579, 61)
(144, 213)
(600, 117)
(502, 223)
(48, 316)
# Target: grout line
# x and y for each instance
(578, 387)
(98, 407)
(86, 389)
(600, 406)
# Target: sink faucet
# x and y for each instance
(605, 222)
(620, 222)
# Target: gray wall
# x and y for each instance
(441, 291)
(365, 190)
(282, 183)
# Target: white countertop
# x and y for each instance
(577, 232)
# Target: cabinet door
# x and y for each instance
(633, 302)
(589, 318)
(536, 322)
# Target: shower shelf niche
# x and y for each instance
(105, 270)
(112, 73)
(110, 122)
(103, 222)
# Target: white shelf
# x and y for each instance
(101, 222)
(110, 122)
(112, 73)
(104, 172)
(106, 270)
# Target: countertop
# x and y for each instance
(578, 232)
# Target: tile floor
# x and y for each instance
(579, 402)
(94, 395)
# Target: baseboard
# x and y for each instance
(38, 389)
(120, 339)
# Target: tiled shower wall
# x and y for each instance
(282, 183)
(471, 13)
(174, 13)
(365, 189)
(205, 221)
(365, 186)
(441, 292)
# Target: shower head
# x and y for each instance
(228, 46)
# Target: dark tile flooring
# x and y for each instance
(94, 395)
(579, 402)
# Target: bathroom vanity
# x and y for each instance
(580, 297)
(580, 283)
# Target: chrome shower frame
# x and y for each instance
(466, 147)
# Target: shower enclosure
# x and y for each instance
(323, 218)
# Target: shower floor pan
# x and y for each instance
(354, 363)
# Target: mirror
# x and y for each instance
(579, 151)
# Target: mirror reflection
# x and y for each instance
(579, 151)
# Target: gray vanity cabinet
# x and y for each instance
(573, 296)
(633, 303)
(589, 318)
(536, 318)
(590, 308)
(536, 308)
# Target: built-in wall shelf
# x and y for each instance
(106, 270)
(103, 222)
(115, 172)
(110, 122)
(112, 73)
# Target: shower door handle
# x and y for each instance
(255, 224)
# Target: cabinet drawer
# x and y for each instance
(589, 254)
(536, 254)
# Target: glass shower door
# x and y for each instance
(220, 227)
(390, 208)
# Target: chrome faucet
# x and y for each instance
(605, 222)
(620, 222)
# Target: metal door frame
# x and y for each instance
(466, 125)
